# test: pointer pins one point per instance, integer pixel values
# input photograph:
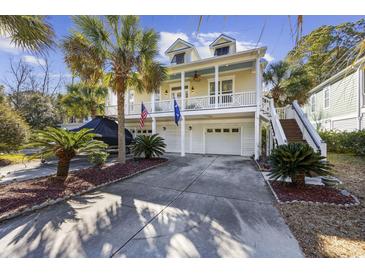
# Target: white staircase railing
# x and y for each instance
(278, 131)
(309, 132)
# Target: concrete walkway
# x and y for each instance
(197, 206)
(34, 169)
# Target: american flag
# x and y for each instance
(144, 114)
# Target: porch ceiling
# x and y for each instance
(210, 70)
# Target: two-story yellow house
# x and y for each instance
(220, 99)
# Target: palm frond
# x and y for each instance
(32, 33)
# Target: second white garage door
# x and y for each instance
(223, 140)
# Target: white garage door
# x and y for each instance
(223, 140)
(171, 134)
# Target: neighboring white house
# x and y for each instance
(220, 99)
(338, 103)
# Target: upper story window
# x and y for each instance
(178, 58)
(313, 103)
(221, 51)
(326, 99)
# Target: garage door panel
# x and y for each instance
(223, 141)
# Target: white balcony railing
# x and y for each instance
(236, 99)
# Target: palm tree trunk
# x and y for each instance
(299, 179)
(121, 133)
(63, 167)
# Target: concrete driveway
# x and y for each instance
(197, 206)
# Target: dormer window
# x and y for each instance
(178, 58)
(221, 51)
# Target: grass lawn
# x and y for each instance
(329, 231)
(13, 158)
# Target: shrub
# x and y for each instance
(345, 142)
(13, 129)
(98, 158)
(297, 160)
(65, 145)
(150, 146)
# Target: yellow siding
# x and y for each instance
(244, 81)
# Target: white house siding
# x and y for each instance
(195, 138)
(349, 124)
(343, 98)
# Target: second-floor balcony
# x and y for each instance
(199, 103)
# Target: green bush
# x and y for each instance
(14, 131)
(65, 145)
(98, 158)
(297, 160)
(344, 141)
(150, 146)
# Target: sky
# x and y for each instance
(249, 31)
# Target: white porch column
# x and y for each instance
(154, 125)
(126, 103)
(182, 90)
(216, 82)
(258, 107)
(182, 135)
(153, 102)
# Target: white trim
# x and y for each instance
(178, 84)
(261, 52)
(220, 79)
(179, 40)
(313, 97)
(326, 89)
(242, 141)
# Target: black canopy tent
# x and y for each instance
(107, 129)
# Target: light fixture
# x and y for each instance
(166, 92)
(190, 127)
(164, 128)
(196, 76)
(192, 88)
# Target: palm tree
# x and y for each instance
(84, 97)
(65, 145)
(287, 83)
(29, 32)
(126, 48)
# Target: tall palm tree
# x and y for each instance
(90, 98)
(287, 83)
(126, 47)
(29, 32)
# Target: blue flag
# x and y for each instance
(177, 113)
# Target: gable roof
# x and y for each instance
(338, 76)
(222, 39)
(181, 41)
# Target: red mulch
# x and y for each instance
(312, 193)
(21, 195)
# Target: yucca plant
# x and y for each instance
(149, 145)
(297, 160)
(65, 145)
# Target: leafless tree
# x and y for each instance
(24, 78)
(18, 81)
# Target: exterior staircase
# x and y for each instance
(292, 131)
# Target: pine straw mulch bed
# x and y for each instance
(310, 193)
(21, 195)
(332, 231)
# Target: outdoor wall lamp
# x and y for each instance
(164, 128)
(192, 89)
(166, 91)
(190, 127)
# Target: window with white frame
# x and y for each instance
(178, 58)
(221, 51)
(313, 103)
(326, 97)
